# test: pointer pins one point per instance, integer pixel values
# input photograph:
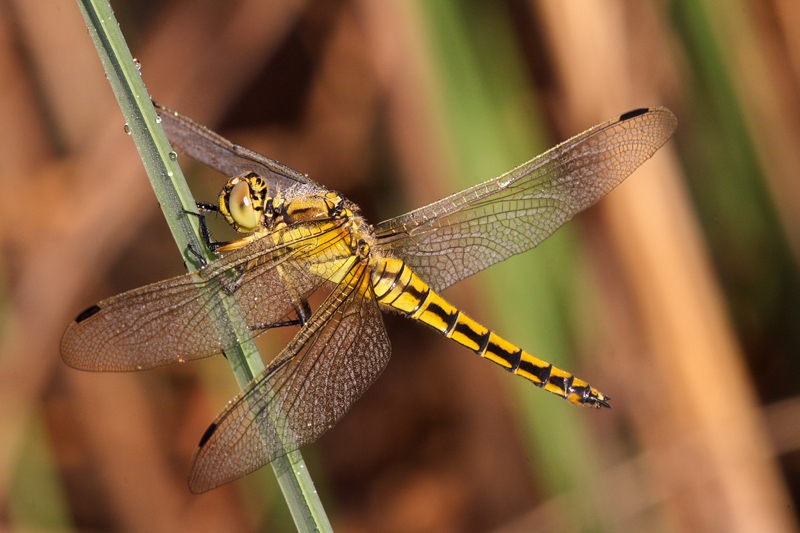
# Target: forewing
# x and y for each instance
(213, 150)
(309, 386)
(174, 320)
(453, 238)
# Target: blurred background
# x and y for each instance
(678, 295)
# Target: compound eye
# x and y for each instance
(240, 205)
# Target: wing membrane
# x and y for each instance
(173, 320)
(311, 384)
(453, 238)
(205, 146)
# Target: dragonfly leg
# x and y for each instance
(212, 245)
(303, 311)
(207, 208)
(200, 257)
(261, 328)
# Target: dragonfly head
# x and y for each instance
(242, 202)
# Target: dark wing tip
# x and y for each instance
(87, 313)
(207, 435)
(633, 113)
(199, 480)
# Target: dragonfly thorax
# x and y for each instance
(315, 206)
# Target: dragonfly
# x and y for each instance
(300, 238)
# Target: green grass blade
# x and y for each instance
(174, 197)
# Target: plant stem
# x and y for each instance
(175, 199)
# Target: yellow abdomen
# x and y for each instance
(398, 288)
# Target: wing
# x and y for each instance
(173, 320)
(311, 384)
(458, 236)
(205, 146)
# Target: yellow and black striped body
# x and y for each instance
(398, 288)
(340, 238)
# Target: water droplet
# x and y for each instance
(158, 119)
(127, 129)
(137, 64)
(173, 156)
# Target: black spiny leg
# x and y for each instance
(207, 208)
(303, 314)
(302, 308)
(204, 232)
(200, 257)
(203, 208)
